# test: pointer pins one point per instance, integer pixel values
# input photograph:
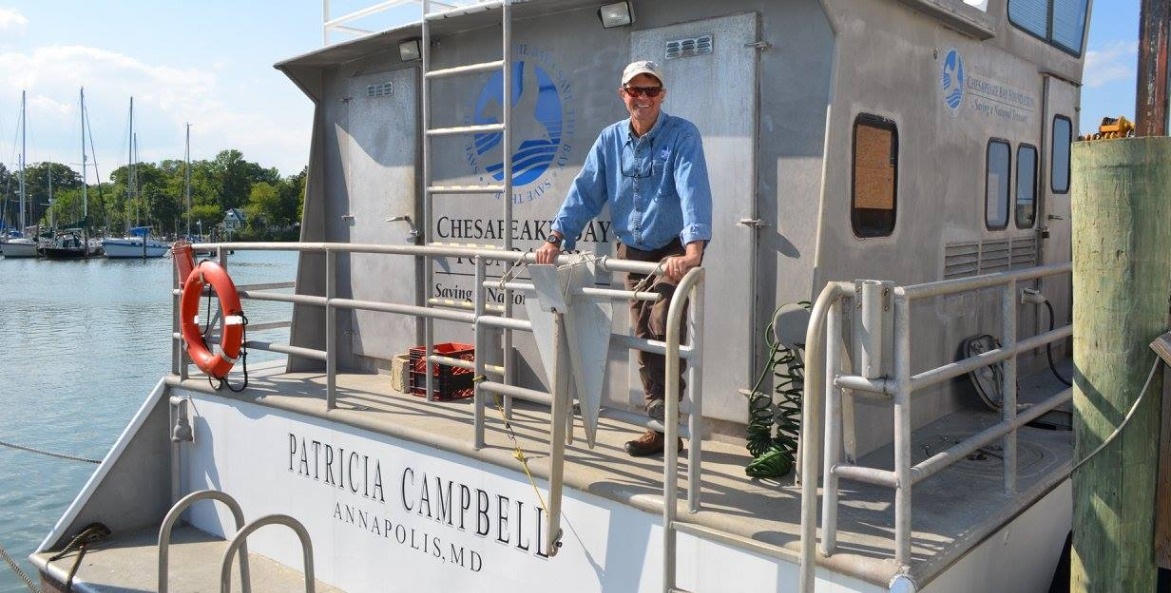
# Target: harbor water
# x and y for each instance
(82, 343)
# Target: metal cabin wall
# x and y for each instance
(889, 65)
(581, 61)
(794, 73)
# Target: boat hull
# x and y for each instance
(64, 253)
(134, 249)
(19, 249)
(373, 502)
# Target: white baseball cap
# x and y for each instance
(642, 67)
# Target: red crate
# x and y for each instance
(450, 382)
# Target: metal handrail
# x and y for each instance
(826, 321)
(692, 287)
(238, 542)
(173, 516)
(482, 320)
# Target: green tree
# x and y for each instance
(42, 178)
(292, 197)
(263, 207)
(235, 177)
(206, 217)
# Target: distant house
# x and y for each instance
(234, 220)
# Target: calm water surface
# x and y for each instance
(81, 346)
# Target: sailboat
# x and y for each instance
(198, 238)
(74, 243)
(137, 244)
(18, 245)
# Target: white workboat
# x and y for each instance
(138, 244)
(921, 143)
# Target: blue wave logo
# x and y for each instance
(951, 81)
(536, 118)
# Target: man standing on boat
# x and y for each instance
(651, 171)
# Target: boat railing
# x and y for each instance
(349, 23)
(173, 516)
(491, 373)
(879, 306)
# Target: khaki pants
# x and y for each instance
(649, 320)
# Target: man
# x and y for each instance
(651, 172)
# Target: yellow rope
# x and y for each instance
(517, 453)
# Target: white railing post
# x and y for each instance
(811, 425)
(833, 429)
(330, 330)
(1008, 408)
(903, 427)
(479, 397)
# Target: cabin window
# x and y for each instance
(996, 185)
(876, 160)
(1025, 212)
(1059, 162)
(1062, 23)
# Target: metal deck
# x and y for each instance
(954, 510)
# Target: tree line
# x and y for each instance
(150, 194)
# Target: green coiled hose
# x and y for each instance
(774, 426)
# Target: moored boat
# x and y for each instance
(847, 139)
(72, 244)
(137, 245)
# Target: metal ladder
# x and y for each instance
(430, 190)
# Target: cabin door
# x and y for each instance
(711, 71)
(378, 154)
(1059, 128)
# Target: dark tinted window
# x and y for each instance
(1059, 159)
(875, 176)
(1025, 212)
(997, 184)
(1060, 22)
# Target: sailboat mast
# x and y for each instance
(52, 222)
(187, 178)
(137, 192)
(130, 165)
(23, 153)
(84, 178)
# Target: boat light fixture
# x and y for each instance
(408, 51)
(617, 14)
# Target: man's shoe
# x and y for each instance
(657, 410)
(650, 443)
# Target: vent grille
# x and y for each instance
(385, 89)
(689, 47)
(974, 258)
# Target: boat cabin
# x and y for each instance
(891, 210)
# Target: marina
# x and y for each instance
(887, 369)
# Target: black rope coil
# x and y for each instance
(220, 382)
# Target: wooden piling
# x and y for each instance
(1121, 278)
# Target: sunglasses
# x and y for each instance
(643, 91)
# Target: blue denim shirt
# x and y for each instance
(656, 185)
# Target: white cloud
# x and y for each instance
(1114, 63)
(165, 98)
(12, 22)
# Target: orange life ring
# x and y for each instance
(232, 334)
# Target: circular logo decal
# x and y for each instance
(951, 81)
(540, 128)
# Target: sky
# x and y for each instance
(210, 63)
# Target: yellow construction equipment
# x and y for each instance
(1111, 128)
